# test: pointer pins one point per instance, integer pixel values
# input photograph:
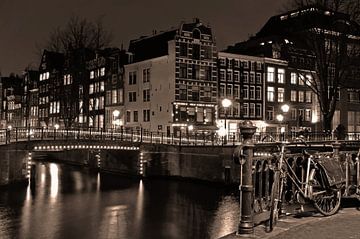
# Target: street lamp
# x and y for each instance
(226, 103)
(281, 117)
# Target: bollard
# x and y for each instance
(246, 224)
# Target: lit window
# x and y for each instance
(281, 76)
(270, 94)
(281, 93)
(92, 75)
(270, 74)
(293, 78)
(102, 86)
(301, 96)
(91, 88)
(102, 71)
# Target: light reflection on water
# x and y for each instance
(68, 202)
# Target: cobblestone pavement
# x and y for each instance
(344, 224)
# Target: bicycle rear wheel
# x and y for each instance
(275, 198)
(325, 199)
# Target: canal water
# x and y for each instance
(70, 202)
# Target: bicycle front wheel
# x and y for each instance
(325, 199)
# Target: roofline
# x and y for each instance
(242, 56)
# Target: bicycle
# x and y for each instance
(315, 188)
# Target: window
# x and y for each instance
(252, 78)
(258, 110)
(236, 76)
(146, 115)
(246, 92)
(252, 110)
(246, 77)
(136, 116)
(91, 88)
(293, 96)
(146, 95)
(132, 78)
(246, 109)
(183, 92)
(308, 115)
(101, 103)
(196, 51)
(270, 94)
(245, 64)
(183, 70)
(146, 75)
(281, 93)
(270, 74)
(229, 75)
(183, 49)
(114, 97)
(92, 74)
(67, 79)
(309, 80)
(236, 91)
(236, 63)
(222, 62)
(258, 78)
(195, 72)
(222, 75)
(229, 89)
(270, 113)
(258, 65)
(102, 71)
(128, 116)
(102, 86)
(252, 92)
(281, 76)
(132, 96)
(195, 93)
(293, 78)
(308, 96)
(301, 96)
(258, 93)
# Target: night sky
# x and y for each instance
(26, 23)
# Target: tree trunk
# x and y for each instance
(327, 120)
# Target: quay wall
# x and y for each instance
(13, 167)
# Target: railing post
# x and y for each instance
(336, 148)
(42, 133)
(90, 133)
(67, 133)
(112, 133)
(101, 134)
(121, 133)
(162, 137)
(16, 134)
(151, 137)
(132, 135)
(180, 139)
(54, 133)
(246, 224)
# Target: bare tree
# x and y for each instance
(335, 47)
(78, 33)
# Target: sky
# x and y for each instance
(25, 24)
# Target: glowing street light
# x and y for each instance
(285, 108)
(57, 126)
(226, 103)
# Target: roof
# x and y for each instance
(151, 47)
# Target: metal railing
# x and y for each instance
(8, 136)
(257, 162)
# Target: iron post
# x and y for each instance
(246, 224)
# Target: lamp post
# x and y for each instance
(281, 117)
(226, 103)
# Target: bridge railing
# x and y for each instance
(157, 137)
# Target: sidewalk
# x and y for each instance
(344, 224)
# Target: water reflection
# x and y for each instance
(68, 202)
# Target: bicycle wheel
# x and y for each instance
(274, 202)
(325, 199)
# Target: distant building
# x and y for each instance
(11, 96)
(31, 98)
(241, 79)
(281, 38)
(172, 84)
